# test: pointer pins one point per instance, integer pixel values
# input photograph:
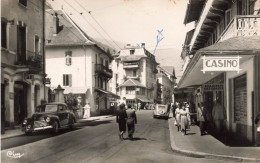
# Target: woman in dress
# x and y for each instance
(121, 120)
(184, 119)
(178, 116)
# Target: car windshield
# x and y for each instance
(161, 107)
(47, 108)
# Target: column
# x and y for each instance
(10, 109)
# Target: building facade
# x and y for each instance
(225, 32)
(77, 63)
(22, 47)
(166, 82)
(134, 78)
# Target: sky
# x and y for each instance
(130, 21)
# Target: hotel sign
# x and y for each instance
(220, 63)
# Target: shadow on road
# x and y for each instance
(135, 139)
(93, 123)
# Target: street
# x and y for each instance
(98, 141)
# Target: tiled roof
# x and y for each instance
(131, 57)
(131, 82)
(246, 43)
(69, 35)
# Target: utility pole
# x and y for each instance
(43, 44)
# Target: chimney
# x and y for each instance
(143, 45)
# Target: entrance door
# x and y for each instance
(209, 101)
(20, 102)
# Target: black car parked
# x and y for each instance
(50, 116)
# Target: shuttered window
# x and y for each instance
(67, 80)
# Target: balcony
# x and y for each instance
(131, 65)
(242, 26)
(35, 61)
(7, 57)
(102, 70)
(137, 77)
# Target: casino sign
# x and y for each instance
(220, 63)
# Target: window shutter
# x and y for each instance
(70, 80)
(64, 80)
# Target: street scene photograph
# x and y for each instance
(130, 81)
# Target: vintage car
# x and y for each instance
(49, 116)
(161, 111)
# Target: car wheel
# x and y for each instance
(72, 125)
(154, 116)
(55, 127)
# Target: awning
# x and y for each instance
(144, 99)
(108, 93)
(245, 47)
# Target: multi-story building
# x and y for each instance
(77, 63)
(134, 78)
(225, 64)
(166, 82)
(22, 49)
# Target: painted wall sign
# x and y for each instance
(220, 63)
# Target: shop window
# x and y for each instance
(240, 99)
(4, 34)
(67, 80)
(23, 2)
(68, 58)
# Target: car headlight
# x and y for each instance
(47, 119)
(25, 121)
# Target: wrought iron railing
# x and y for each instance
(104, 70)
(34, 59)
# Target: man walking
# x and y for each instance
(131, 121)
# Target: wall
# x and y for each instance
(247, 67)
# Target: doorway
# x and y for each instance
(20, 102)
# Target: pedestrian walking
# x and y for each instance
(184, 119)
(201, 114)
(178, 117)
(187, 108)
(218, 115)
(121, 120)
(131, 121)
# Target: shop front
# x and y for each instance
(228, 71)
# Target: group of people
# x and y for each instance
(211, 120)
(182, 117)
(126, 117)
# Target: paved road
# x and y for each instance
(99, 142)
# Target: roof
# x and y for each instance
(131, 57)
(235, 44)
(131, 82)
(193, 11)
(69, 35)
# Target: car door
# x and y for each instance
(63, 115)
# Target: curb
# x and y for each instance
(205, 155)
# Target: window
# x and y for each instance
(68, 57)
(134, 72)
(132, 52)
(3, 35)
(36, 44)
(67, 80)
(130, 90)
(21, 43)
(228, 16)
(23, 2)
(106, 64)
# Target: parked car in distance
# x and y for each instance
(161, 111)
(49, 116)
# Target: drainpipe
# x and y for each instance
(43, 44)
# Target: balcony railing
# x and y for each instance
(131, 65)
(101, 69)
(137, 77)
(34, 60)
(248, 25)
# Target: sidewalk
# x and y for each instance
(207, 146)
(17, 131)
